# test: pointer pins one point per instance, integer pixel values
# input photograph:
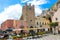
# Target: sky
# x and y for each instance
(12, 9)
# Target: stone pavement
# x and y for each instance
(48, 37)
(51, 37)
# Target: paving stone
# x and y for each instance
(48, 37)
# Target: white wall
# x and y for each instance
(56, 15)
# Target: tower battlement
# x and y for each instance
(28, 14)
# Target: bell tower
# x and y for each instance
(28, 14)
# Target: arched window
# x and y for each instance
(40, 25)
(56, 19)
(31, 20)
(37, 23)
(45, 23)
(31, 26)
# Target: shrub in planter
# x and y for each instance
(17, 37)
(44, 32)
(14, 37)
(41, 33)
(28, 34)
(3, 39)
(25, 35)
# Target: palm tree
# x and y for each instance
(54, 25)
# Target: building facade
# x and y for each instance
(42, 23)
(28, 14)
(7, 24)
(15, 24)
(56, 16)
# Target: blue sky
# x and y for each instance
(12, 9)
(6, 3)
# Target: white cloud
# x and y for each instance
(23, 1)
(15, 11)
(11, 12)
(38, 10)
(38, 2)
(35, 2)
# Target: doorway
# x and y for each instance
(51, 29)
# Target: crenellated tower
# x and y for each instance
(28, 15)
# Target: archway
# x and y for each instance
(31, 26)
(51, 29)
